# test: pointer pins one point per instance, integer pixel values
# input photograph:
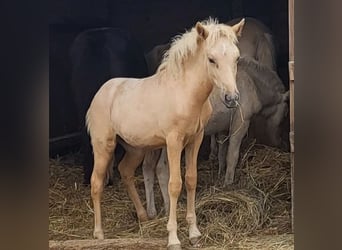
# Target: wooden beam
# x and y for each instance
(59, 144)
(122, 243)
(71, 136)
(291, 76)
(291, 30)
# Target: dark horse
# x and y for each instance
(98, 55)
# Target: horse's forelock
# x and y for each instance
(184, 46)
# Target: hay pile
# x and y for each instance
(258, 205)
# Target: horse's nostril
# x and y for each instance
(232, 100)
(234, 97)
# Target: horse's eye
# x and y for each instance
(212, 61)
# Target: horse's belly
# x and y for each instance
(140, 134)
(140, 141)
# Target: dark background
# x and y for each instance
(318, 101)
(151, 22)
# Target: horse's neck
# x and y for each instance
(197, 83)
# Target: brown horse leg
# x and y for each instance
(174, 151)
(149, 167)
(191, 153)
(102, 157)
(127, 167)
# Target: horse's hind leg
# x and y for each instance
(213, 148)
(149, 167)
(127, 167)
(103, 155)
(163, 174)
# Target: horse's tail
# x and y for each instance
(88, 120)
(266, 53)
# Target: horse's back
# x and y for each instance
(256, 41)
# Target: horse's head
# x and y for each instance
(222, 54)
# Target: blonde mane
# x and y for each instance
(184, 46)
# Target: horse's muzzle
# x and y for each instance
(231, 101)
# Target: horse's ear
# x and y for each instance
(238, 27)
(201, 31)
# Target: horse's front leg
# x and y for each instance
(238, 132)
(222, 152)
(149, 168)
(191, 153)
(174, 150)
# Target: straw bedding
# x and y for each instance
(253, 214)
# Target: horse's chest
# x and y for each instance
(218, 122)
(198, 120)
(194, 127)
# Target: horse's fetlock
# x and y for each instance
(171, 226)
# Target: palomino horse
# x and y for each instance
(256, 41)
(168, 109)
(98, 55)
(261, 91)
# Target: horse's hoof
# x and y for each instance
(174, 247)
(143, 217)
(195, 242)
(99, 235)
(152, 214)
(228, 187)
